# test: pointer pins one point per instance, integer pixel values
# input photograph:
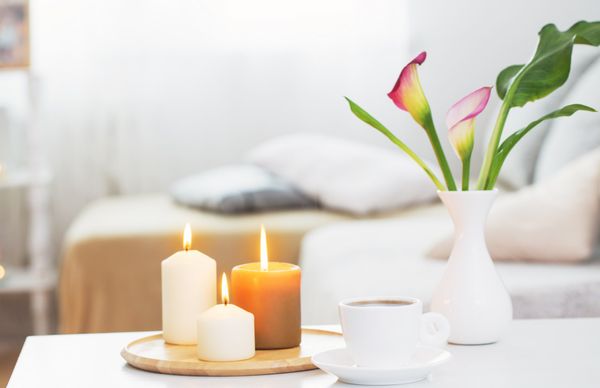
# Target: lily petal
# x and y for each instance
(462, 138)
(408, 94)
(460, 120)
(468, 106)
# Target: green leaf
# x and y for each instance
(504, 79)
(587, 33)
(367, 118)
(547, 70)
(550, 66)
(510, 142)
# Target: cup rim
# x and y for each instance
(346, 303)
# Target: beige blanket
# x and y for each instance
(110, 274)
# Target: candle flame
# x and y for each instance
(264, 254)
(187, 237)
(224, 290)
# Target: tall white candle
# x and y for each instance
(225, 331)
(188, 288)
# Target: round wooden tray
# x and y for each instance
(153, 354)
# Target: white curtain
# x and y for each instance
(135, 94)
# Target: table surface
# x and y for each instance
(533, 353)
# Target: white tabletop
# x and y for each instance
(534, 353)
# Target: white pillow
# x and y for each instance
(573, 136)
(556, 220)
(345, 175)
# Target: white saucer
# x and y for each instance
(339, 362)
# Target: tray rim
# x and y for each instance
(148, 364)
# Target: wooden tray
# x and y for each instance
(153, 354)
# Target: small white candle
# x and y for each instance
(188, 288)
(225, 331)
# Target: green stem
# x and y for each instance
(493, 145)
(439, 154)
(493, 176)
(484, 176)
(466, 171)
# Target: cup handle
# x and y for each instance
(435, 329)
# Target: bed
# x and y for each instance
(110, 268)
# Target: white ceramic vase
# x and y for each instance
(471, 294)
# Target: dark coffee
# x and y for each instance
(380, 303)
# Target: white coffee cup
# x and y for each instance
(384, 332)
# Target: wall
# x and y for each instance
(137, 94)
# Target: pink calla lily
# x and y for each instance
(460, 121)
(408, 95)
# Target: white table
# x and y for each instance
(534, 353)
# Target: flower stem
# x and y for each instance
(484, 182)
(439, 154)
(493, 146)
(466, 171)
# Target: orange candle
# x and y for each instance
(270, 291)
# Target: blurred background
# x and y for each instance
(121, 97)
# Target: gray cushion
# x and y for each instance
(573, 136)
(238, 189)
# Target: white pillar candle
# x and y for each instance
(225, 331)
(188, 288)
